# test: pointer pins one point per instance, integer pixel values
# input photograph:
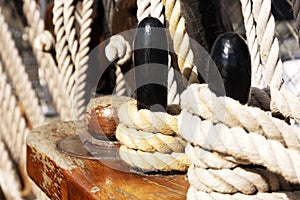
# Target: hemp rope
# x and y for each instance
(224, 175)
(83, 56)
(45, 61)
(199, 100)
(146, 120)
(154, 161)
(18, 75)
(262, 41)
(148, 140)
(180, 39)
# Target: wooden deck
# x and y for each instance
(64, 177)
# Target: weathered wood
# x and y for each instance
(64, 177)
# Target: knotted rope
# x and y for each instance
(222, 142)
(119, 49)
(149, 140)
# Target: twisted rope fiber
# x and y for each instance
(65, 65)
(20, 79)
(14, 130)
(267, 45)
(180, 39)
(256, 66)
(8, 176)
(199, 100)
(152, 8)
(273, 156)
(194, 194)
(221, 174)
(226, 176)
(149, 140)
(275, 100)
(82, 66)
(45, 61)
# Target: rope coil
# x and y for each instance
(221, 148)
(148, 141)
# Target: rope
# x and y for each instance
(199, 100)
(149, 162)
(277, 101)
(149, 140)
(262, 41)
(220, 150)
(146, 120)
(198, 195)
(65, 65)
(14, 130)
(8, 177)
(83, 56)
(19, 76)
(180, 38)
(119, 49)
(152, 8)
(45, 61)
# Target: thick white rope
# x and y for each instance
(150, 8)
(146, 120)
(20, 79)
(262, 41)
(83, 56)
(180, 39)
(199, 100)
(256, 66)
(149, 162)
(149, 140)
(45, 61)
(216, 151)
(194, 194)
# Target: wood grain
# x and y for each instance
(64, 177)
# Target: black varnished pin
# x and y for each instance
(231, 55)
(150, 62)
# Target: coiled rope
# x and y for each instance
(211, 135)
(149, 140)
(235, 151)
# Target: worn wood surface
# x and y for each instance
(64, 177)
